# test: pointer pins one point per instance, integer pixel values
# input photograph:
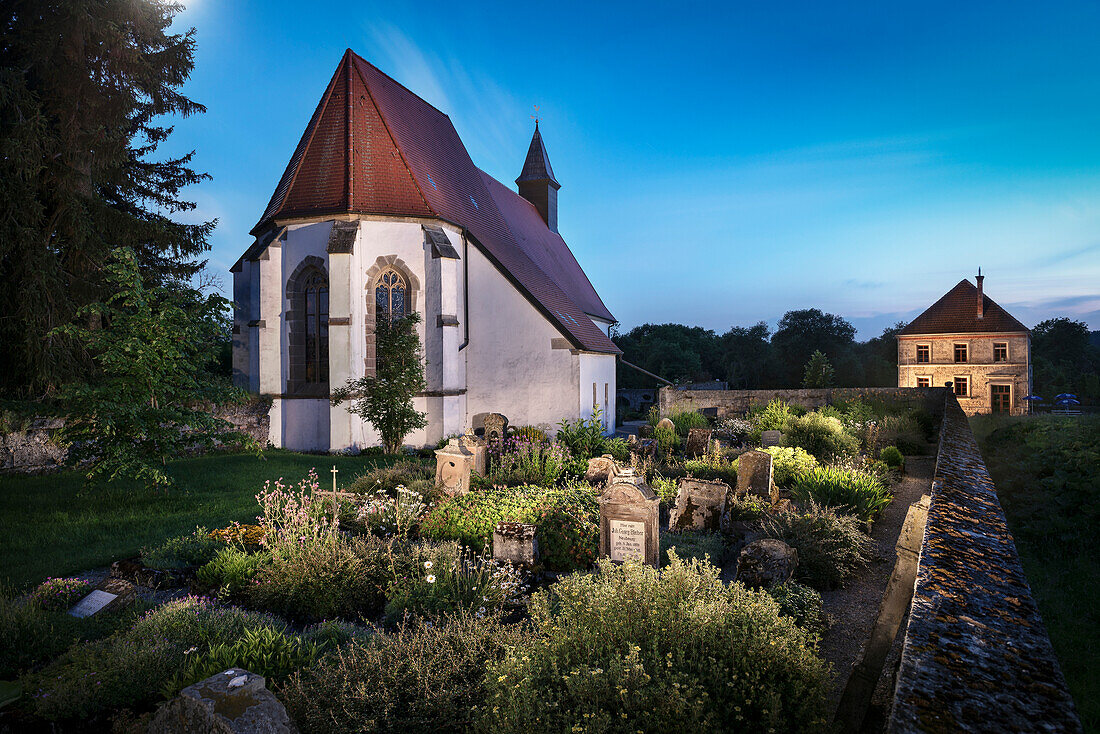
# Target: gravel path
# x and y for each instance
(853, 609)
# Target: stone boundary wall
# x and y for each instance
(737, 402)
(976, 656)
(34, 451)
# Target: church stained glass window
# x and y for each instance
(315, 293)
(390, 296)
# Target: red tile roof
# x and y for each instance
(957, 313)
(383, 150)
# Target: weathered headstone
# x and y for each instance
(645, 431)
(600, 470)
(516, 542)
(477, 447)
(699, 505)
(496, 428)
(642, 450)
(453, 465)
(771, 438)
(666, 423)
(697, 441)
(766, 562)
(754, 475)
(629, 528)
(112, 594)
(232, 702)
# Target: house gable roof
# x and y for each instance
(400, 156)
(957, 313)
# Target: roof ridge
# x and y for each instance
(429, 104)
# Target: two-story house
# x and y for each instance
(967, 341)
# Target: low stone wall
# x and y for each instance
(34, 451)
(976, 656)
(737, 402)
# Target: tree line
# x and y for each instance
(1065, 355)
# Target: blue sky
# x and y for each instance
(719, 165)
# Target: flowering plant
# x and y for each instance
(58, 594)
(294, 516)
(389, 516)
(515, 462)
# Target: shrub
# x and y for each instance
(772, 417)
(446, 579)
(422, 678)
(129, 668)
(28, 635)
(734, 429)
(788, 462)
(582, 438)
(685, 420)
(265, 651)
(388, 515)
(231, 571)
(631, 646)
(568, 520)
(245, 535)
(712, 466)
(821, 436)
(892, 457)
(387, 479)
(334, 633)
(666, 489)
(668, 440)
(514, 463)
(830, 547)
(800, 603)
(690, 544)
(186, 551)
(746, 508)
(618, 448)
(530, 434)
(58, 595)
(848, 491)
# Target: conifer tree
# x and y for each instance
(83, 84)
(819, 373)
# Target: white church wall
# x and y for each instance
(305, 424)
(511, 367)
(597, 387)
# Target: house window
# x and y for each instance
(314, 289)
(1000, 351)
(924, 382)
(924, 353)
(962, 386)
(390, 296)
(960, 353)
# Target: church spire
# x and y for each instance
(536, 181)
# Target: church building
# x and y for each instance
(380, 213)
(967, 341)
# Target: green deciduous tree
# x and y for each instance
(152, 394)
(819, 373)
(385, 399)
(801, 333)
(82, 84)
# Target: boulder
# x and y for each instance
(600, 469)
(666, 423)
(233, 702)
(765, 563)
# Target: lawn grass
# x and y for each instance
(1047, 473)
(51, 525)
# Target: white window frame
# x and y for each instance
(918, 378)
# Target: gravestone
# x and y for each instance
(111, 595)
(697, 441)
(600, 470)
(771, 438)
(765, 563)
(754, 475)
(477, 447)
(231, 702)
(453, 465)
(699, 505)
(629, 528)
(516, 542)
(666, 423)
(496, 428)
(642, 449)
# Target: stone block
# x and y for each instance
(480, 451)
(629, 528)
(233, 702)
(666, 423)
(516, 542)
(765, 563)
(699, 505)
(754, 475)
(771, 438)
(600, 470)
(697, 441)
(453, 466)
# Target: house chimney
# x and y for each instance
(981, 295)
(536, 182)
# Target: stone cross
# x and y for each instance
(628, 519)
(335, 471)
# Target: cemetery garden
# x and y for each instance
(533, 578)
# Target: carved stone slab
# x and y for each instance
(629, 527)
(697, 441)
(516, 542)
(754, 475)
(453, 465)
(699, 505)
(496, 428)
(771, 438)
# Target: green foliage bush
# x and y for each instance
(892, 457)
(746, 508)
(388, 478)
(788, 462)
(685, 420)
(515, 463)
(583, 438)
(445, 579)
(632, 648)
(185, 551)
(800, 603)
(820, 435)
(618, 448)
(231, 571)
(531, 434)
(697, 544)
(335, 633)
(848, 491)
(419, 679)
(830, 547)
(712, 466)
(568, 520)
(772, 417)
(666, 489)
(58, 595)
(668, 440)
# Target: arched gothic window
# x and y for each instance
(390, 296)
(313, 287)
